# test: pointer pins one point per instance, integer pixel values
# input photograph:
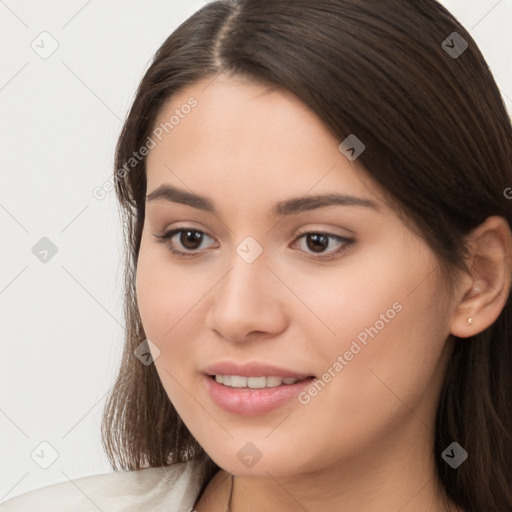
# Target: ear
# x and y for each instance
(484, 291)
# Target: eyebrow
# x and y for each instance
(288, 207)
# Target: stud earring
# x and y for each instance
(470, 320)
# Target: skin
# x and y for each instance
(365, 441)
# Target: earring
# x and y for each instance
(470, 320)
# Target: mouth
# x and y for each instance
(252, 388)
(243, 395)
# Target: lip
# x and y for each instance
(251, 402)
(252, 369)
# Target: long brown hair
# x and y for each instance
(438, 141)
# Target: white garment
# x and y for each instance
(167, 489)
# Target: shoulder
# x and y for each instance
(169, 488)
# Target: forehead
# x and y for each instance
(251, 137)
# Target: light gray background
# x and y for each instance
(62, 320)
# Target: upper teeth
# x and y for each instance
(238, 381)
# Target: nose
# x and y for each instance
(247, 302)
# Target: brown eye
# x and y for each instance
(191, 239)
(317, 242)
(184, 241)
(325, 245)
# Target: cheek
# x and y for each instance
(165, 315)
(387, 359)
(371, 293)
(172, 303)
(379, 327)
(158, 289)
(344, 300)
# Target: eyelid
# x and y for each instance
(176, 228)
(323, 231)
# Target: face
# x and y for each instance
(293, 266)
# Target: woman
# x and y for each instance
(318, 268)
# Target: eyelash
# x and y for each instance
(166, 237)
